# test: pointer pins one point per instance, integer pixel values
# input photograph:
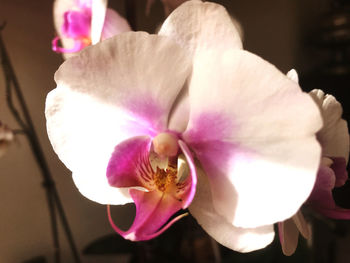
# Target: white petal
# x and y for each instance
(111, 91)
(289, 235)
(289, 232)
(136, 72)
(254, 132)
(83, 131)
(239, 239)
(334, 136)
(98, 14)
(196, 25)
(302, 225)
(92, 183)
(293, 75)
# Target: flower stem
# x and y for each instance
(27, 128)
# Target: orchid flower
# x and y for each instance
(6, 136)
(186, 119)
(80, 23)
(169, 5)
(334, 140)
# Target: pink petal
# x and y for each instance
(239, 239)
(335, 212)
(245, 131)
(153, 210)
(78, 45)
(114, 24)
(321, 198)
(289, 232)
(302, 225)
(129, 165)
(89, 19)
(339, 168)
(59, 8)
(77, 24)
(321, 195)
(192, 26)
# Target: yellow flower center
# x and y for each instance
(86, 41)
(165, 179)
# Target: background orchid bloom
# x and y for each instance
(334, 140)
(80, 23)
(184, 119)
(6, 137)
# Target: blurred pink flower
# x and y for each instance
(6, 137)
(334, 140)
(186, 119)
(80, 23)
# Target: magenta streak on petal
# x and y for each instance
(153, 210)
(165, 227)
(192, 179)
(116, 229)
(148, 112)
(78, 45)
(209, 136)
(209, 127)
(129, 164)
(77, 24)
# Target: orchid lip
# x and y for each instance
(77, 24)
(133, 236)
(170, 183)
(77, 27)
